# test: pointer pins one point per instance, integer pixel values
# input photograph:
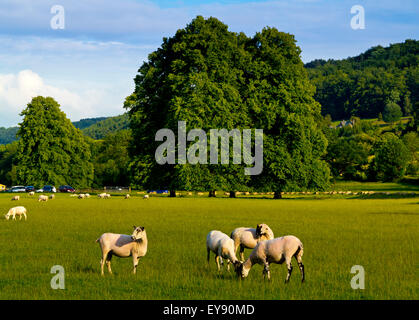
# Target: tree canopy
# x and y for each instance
(51, 150)
(213, 78)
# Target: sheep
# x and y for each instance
(20, 211)
(122, 245)
(81, 196)
(15, 198)
(127, 196)
(277, 251)
(31, 193)
(146, 196)
(73, 195)
(223, 247)
(104, 195)
(42, 198)
(87, 195)
(249, 237)
(52, 196)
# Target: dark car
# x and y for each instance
(29, 188)
(66, 189)
(49, 189)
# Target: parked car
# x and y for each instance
(66, 189)
(29, 188)
(17, 189)
(49, 189)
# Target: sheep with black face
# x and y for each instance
(277, 251)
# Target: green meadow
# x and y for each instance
(337, 232)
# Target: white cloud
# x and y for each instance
(17, 90)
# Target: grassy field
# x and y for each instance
(379, 234)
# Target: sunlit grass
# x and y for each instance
(381, 235)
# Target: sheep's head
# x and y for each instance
(262, 230)
(138, 233)
(240, 271)
(7, 216)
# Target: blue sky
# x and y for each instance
(89, 66)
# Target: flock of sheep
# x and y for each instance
(266, 248)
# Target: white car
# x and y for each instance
(18, 189)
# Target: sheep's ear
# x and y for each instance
(134, 227)
(142, 228)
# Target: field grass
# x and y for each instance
(379, 234)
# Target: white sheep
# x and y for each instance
(81, 196)
(42, 198)
(87, 195)
(20, 211)
(52, 196)
(277, 251)
(122, 245)
(127, 196)
(223, 247)
(104, 195)
(146, 196)
(250, 237)
(15, 198)
(31, 193)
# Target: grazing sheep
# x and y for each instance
(122, 245)
(15, 198)
(249, 237)
(146, 196)
(20, 211)
(127, 196)
(31, 193)
(81, 196)
(104, 195)
(42, 198)
(87, 195)
(52, 196)
(223, 247)
(277, 251)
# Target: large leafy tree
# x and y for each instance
(280, 101)
(213, 78)
(51, 150)
(195, 77)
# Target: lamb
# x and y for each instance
(146, 196)
(42, 198)
(15, 198)
(122, 245)
(127, 196)
(20, 211)
(31, 193)
(87, 195)
(52, 196)
(223, 247)
(81, 196)
(277, 251)
(249, 237)
(104, 195)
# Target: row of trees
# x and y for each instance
(211, 78)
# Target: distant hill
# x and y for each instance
(8, 135)
(84, 123)
(100, 129)
(96, 128)
(363, 85)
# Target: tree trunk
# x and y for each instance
(172, 193)
(211, 194)
(277, 195)
(232, 194)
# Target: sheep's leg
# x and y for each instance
(289, 266)
(301, 266)
(25, 216)
(266, 271)
(217, 258)
(135, 260)
(108, 263)
(241, 253)
(208, 255)
(228, 265)
(105, 254)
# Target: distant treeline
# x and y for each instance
(95, 128)
(364, 85)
